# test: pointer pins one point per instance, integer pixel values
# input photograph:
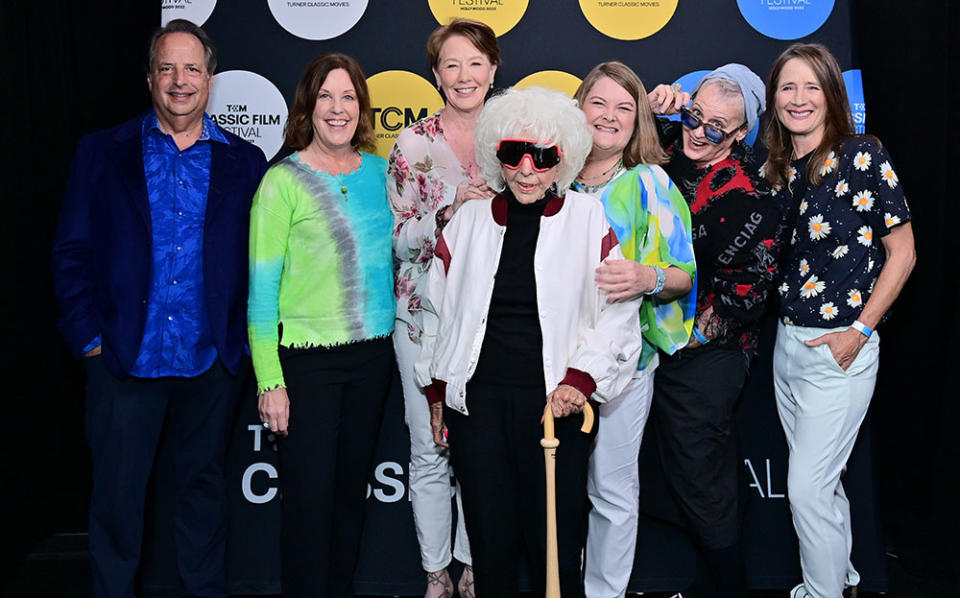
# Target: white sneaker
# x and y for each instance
(799, 592)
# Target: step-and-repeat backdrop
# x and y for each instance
(263, 47)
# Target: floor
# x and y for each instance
(57, 568)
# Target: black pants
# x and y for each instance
(499, 462)
(124, 420)
(694, 397)
(337, 399)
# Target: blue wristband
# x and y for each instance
(661, 281)
(862, 328)
(699, 336)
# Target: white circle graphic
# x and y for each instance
(317, 19)
(195, 11)
(249, 105)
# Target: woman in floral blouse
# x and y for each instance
(850, 253)
(432, 171)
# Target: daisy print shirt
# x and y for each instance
(422, 177)
(834, 254)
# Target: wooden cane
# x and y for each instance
(550, 443)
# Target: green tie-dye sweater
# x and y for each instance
(321, 261)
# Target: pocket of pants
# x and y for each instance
(827, 354)
(865, 358)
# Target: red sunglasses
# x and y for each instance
(511, 153)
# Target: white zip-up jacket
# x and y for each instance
(588, 343)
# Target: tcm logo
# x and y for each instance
(395, 119)
(400, 98)
(251, 106)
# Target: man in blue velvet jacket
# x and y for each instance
(150, 269)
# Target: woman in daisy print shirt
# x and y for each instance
(849, 255)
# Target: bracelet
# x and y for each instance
(661, 281)
(699, 336)
(862, 328)
(442, 220)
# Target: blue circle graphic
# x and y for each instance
(786, 19)
(688, 82)
(853, 79)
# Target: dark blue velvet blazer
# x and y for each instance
(102, 252)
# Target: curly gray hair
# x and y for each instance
(537, 114)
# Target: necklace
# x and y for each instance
(615, 167)
(339, 177)
(582, 187)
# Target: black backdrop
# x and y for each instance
(72, 70)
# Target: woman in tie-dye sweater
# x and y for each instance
(320, 315)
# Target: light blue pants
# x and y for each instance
(821, 407)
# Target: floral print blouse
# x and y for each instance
(422, 177)
(834, 256)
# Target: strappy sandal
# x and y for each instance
(439, 585)
(465, 585)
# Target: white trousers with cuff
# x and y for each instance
(821, 407)
(613, 485)
(429, 470)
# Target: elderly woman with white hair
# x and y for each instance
(514, 320)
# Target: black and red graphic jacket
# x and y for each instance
(736, 240)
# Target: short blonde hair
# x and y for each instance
(538, 114)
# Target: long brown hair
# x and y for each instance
(838, 125)
(644, 146)
(298, 132)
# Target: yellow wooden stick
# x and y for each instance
(550, 443)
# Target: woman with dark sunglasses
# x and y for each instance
(735, 232)
(850, 253)
(432, 172)
(513, 321)
(652, 222)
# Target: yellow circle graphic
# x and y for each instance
(500, 15)
(398, 99)
(628, 19)
(556, 80)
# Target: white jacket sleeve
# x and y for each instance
(609, 351)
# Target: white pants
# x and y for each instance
(429, 472)
(613, 485)
(821, 407)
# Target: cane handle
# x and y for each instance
(548, 430)
(587, 418)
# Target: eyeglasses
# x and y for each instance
(511, 153)
(712, 133)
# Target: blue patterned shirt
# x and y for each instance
(177, 340)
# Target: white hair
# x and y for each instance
(536, 114)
